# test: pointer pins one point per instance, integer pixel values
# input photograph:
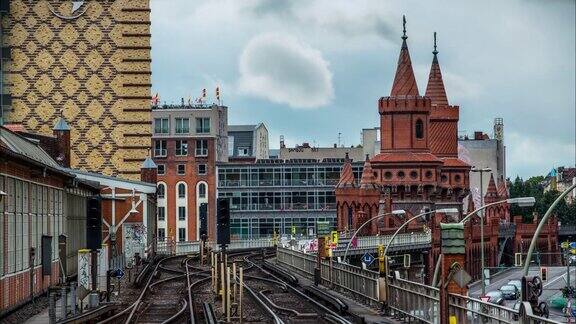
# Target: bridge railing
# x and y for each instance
(413, 301)
(181, 248)
(351, 280)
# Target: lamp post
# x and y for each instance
(394, 212)
(541, 225)
(482, 171)
(520, 201)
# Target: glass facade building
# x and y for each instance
(282, 196)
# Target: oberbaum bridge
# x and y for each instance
(409, 238)
(407, 210)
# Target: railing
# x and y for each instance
(284, 206)
(407, 300)
(278, 182)
(567, 229)
(414, 240)
(361, 284)
(181, 248)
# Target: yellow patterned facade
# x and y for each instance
(92, 65)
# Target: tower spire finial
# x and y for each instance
(435, 51)
(404, 27)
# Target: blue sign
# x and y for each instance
(367, 258)
(119, 273)
(573, 245)
(573, 312)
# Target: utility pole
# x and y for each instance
(481, 171)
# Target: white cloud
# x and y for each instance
(283, 70)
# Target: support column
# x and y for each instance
(453, 260)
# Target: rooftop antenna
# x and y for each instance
(339, 138)
(404, 37)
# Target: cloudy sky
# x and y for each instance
(312, 69)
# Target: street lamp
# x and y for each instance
(520, 201)
(541, 225)
(394, 212)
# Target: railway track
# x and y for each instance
(283, 300)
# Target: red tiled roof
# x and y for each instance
(454, 162)
(491, 191)
(404, 80)
(15, 127)
(502, 190)
(435, 88)
(346, 176)
(405, 157)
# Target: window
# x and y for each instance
(202, 190)
(161, 191)
(182, 125)
(161, 213)
(181, 148)
(181, 169)
(182, 213)
(201, 168)
(201, 147)
(181, 190)
(230, 145)
(202, 125)
(161, 169)
(160, 148)
(419, 129)
(243, 151)
(161, 126)
(181, 234)
(161, 234)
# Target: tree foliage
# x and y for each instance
(533, 187)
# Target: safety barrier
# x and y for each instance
(407, 300)
(181, 248)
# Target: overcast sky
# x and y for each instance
(312, 69)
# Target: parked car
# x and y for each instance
(517, 284)
(495, 297)
(509, 292)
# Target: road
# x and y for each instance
(556, 280)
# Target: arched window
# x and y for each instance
(202, 190)
(419, 129)
(161, 191)
(181, 190)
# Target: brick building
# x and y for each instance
(88, 61)
(39, 201)
(188, 140)
(418, 168)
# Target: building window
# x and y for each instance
(161, 191)
(401, 174)
(161, 126)
(181, 169)
(413, 174)
(181, 190)
(201, 147)
(181, 234)
(181, 148)
(160, 148)
(161, 213)
(182, 125)
(202, 190)
(202, 169)
(161, 169)
(161, 234)
(202, 125)
(181, 213)
(419, 129)
(231, 145)
(243, 151)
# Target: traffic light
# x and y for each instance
(531, 289)
(203, 221)
(223, 221)
(94, 223)
(544, 273)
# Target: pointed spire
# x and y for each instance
(404, 80)
(368, 181)
(435, 89)
(346, 176)
(491, 191)
(502, 189)
(61, 125)
(470, 204)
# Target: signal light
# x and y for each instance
(544, 273)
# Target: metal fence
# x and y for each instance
(354, 281)
(407, 300)
(187, 247)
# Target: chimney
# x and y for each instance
(62, 133)
(335, 145)
(478, 136)
(282, 145)
(149, 171)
